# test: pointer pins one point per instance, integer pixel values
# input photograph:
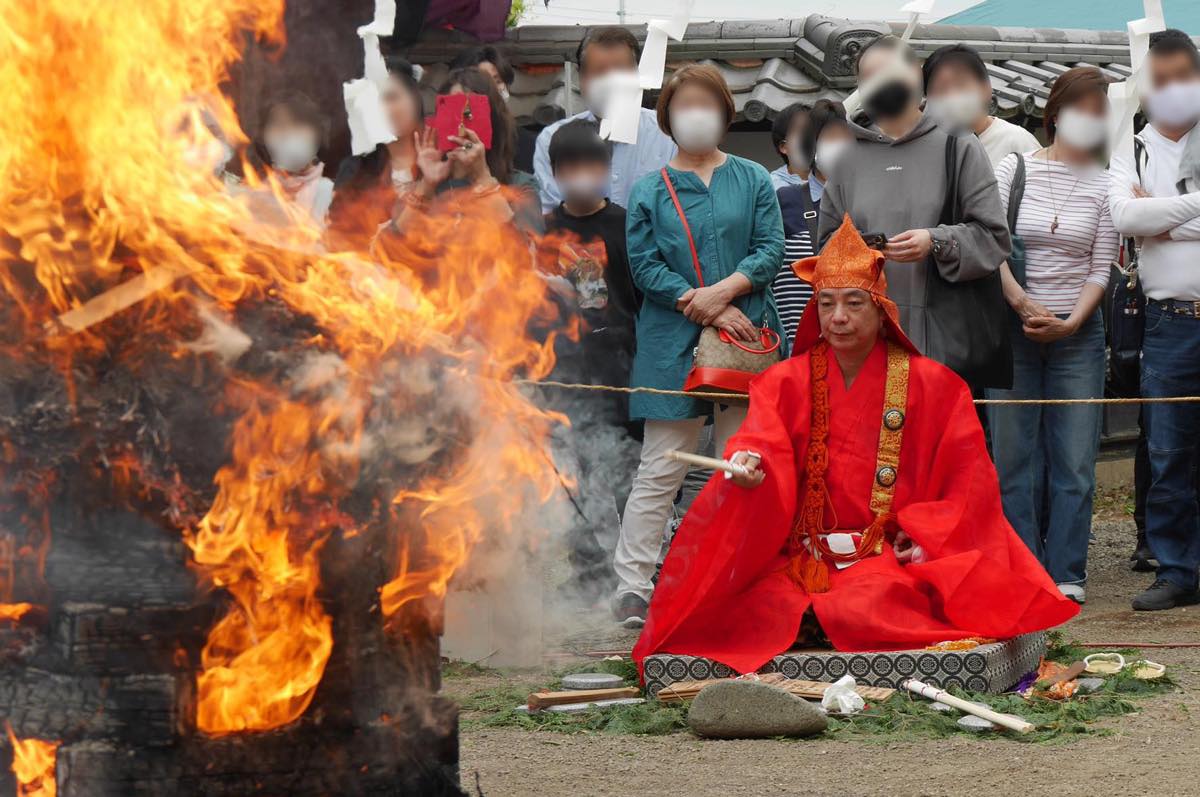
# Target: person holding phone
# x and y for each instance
(733, 215)
(471, 172)
(897, 183)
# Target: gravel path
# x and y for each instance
(1154, 751)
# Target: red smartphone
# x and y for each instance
(456, 112)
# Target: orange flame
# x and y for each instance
(111, 207)
(33, 763)
(14, 611)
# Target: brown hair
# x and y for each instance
(706, 76)
(1071, 87)
(504, 128)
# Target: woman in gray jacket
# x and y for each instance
(895, 183)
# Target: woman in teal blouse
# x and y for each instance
(736, 224)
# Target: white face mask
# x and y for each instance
(797, 157)
(829, 153)
(1082, 130)
(597, 93)
(583, 188)
(956, 112)
(504, 93)
(292, 152)
(1175, 104)
(697, 130)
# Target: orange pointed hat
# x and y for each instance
(846, 262)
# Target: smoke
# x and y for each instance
(220, 338)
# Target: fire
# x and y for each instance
(110, 212)
(33, 764)
(14, 611)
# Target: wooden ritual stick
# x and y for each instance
(942, 696)
(707, 462)
(541, 700)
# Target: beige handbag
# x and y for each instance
(720, 363)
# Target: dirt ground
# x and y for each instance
(1154, 751)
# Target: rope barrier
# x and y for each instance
(743, 396)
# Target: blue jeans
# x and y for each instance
(1031, 442)
(1171, 367)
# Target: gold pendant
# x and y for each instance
(1054, 226)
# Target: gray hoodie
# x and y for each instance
(892, 185)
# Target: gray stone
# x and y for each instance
(1089, 685)
(752, 710)
(592, 680)
(977, 724)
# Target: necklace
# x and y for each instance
(1053, 203)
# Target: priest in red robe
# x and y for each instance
(869, 505)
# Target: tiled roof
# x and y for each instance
(772, 63)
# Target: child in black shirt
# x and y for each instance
(585, 244)
(584, 254)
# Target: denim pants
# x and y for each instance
(1171, 367)
(1057, 443)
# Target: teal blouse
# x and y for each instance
(737, 226)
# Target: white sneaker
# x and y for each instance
(1074, 592)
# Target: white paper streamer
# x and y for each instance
(623, 112)
(1124, 97)
(375, 68)
(369, 126)
(676, 26)
(385, 19)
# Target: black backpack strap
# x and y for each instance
(950, 204)
(810, 215)
(1016, 192)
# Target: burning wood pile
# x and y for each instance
(236, 472)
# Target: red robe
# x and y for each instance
(724, 594)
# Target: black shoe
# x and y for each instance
(1142, 558)
(1162, 594)
(631, 611)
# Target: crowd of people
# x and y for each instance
(998, 251)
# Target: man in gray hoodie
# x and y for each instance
(894, 182)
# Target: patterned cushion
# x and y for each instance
(987, 668)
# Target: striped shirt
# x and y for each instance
(1083, 247)
(791, 292)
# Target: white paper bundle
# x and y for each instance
(1124, 97)
(369, 126)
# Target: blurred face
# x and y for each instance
(697, 118)
(891, 85)
(793, 147)
(850, 320)
(402, 109)
(601, 59)
(1172, 68)
(489, 69)
(1083, 124)
(831, 146)
(291, 143)
(1173, 103)
(583, 182)
(957, 97)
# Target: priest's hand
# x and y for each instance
(903, 547)
(753, 475)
